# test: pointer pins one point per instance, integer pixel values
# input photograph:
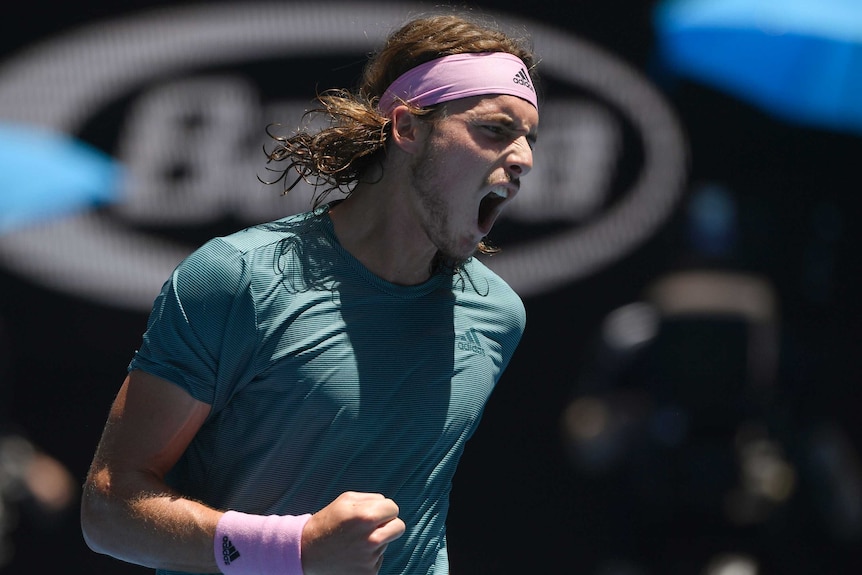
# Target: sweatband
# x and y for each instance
(248, 544)
(460, 76)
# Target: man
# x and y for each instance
(305, 388)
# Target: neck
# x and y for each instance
(375, 225)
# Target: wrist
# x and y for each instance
(247, 544)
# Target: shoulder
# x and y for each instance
(481, 275)
(230, 259)
(266, 235)
(483, 287)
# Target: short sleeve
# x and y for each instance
(202, 330)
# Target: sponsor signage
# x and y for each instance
(174, 104)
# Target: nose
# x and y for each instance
(520, 159)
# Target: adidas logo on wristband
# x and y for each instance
(229, 552)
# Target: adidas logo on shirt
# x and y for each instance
(229, 552)
(469, 341)
(523, 79)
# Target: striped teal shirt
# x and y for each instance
(323, 378)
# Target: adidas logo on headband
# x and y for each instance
(523, 79)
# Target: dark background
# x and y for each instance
(521, 504)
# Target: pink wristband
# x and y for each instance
(248, 544)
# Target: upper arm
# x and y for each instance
(150, 425)
(127, 509)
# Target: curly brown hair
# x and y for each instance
(338, 156)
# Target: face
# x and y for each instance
(470, 168)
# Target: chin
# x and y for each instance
(446, 260)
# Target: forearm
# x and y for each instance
(138, 519)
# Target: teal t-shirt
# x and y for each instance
(324, 378)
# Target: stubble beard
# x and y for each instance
(436, 223)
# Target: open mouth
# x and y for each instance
(489, 207)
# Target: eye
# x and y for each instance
(495, 129)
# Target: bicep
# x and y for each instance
(127, 509)
(150, 425)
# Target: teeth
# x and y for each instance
(500, 191)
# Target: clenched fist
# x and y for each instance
(350, 535)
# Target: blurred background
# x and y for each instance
(685, 399)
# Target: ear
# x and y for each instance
(408, 131)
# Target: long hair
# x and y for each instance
(339, 155)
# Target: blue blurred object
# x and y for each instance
(45, 175)
(712, 221)
(800, 60)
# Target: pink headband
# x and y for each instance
(460, 76)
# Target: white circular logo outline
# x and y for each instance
(41, 251)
